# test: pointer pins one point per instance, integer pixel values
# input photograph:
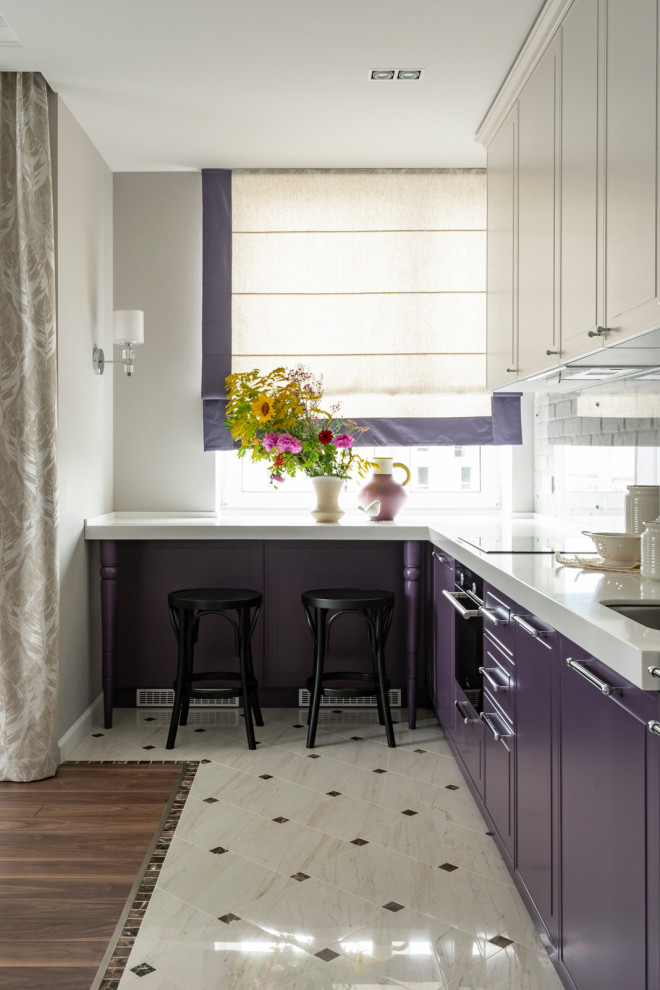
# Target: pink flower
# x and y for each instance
(278, 478)
(269, 441)
(291, 444)
(343, 440)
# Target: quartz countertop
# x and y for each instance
(567, 598)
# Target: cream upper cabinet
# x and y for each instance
(581, 226)
(631, 168)
(501, 309)
(538, 322)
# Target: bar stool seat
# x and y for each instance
(238, 606)
(322, 608)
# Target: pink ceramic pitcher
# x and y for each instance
(383, 487)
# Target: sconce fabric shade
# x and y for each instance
(128, 326)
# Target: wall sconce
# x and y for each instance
(128, 331)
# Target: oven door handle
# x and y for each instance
(465, 613)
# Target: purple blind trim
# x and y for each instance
(216, 303)
(502, 427)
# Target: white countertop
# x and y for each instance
(566, 598)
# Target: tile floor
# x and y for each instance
(348, 866)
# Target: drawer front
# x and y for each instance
(499, 771)
(497, 613)
(499, 676)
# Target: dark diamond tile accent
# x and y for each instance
(452, 787)
(447, 867)
(219, 850)
(204, 761)
(393, 906)
(360, 842)
(357, 738)
(210, 800)
(419, 751)
(337, 711)
(143, 969)
(199, 730)
(409, 811)
(150, 719)
(95, 735)
(297, 726)
(266, 776)
(501, 941)
(378, 770)
(333, 793)
(228, 918)
(300, 876)
(280, 820)
(313, 756)
(148, 747)
(327, 955)
(490, 833)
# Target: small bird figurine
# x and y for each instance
(372, 509)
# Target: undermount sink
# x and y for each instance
(646, 613)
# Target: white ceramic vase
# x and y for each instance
(327, 488)
(642, 504)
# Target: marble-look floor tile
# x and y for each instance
(212, 825)
(516, 967)
(267, 797)
(287, 847)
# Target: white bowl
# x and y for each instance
(617, 548)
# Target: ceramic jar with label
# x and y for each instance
(642, 502)
(650, 564)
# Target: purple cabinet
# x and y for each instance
(442, 680)
(604, 844)
(498, 773)
(537, 808)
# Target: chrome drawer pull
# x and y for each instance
(654, 671)
(438, 556)
(466, 718)
(495, 685)
(453, 596)
(529, 628)
(497, 735)
(596, 681)
(654, 726)
(491, 615)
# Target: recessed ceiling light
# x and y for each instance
(409, 74)
(382, 73)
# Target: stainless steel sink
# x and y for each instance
(646, 613)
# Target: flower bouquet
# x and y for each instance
(277, 419)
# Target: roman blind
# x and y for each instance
(375, 279)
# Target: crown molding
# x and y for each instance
(544, 29)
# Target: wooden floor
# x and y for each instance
(70, 850)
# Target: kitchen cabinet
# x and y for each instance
(537, 723)
(502, 310)
(604, 841)
(443, 641)
(538, 326)
(581, 229)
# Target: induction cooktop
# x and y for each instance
(528, 544)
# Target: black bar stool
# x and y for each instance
(240, 607)
(322, 608)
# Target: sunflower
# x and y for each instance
(263, 408)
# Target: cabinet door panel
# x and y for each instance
(579, 179)
(603, 841)
(499, 773)
(443, 636)
(468, 738)
(501, 345)
(631, 163)
(536, 217)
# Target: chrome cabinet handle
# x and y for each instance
(495, 685)
(466, 718)
(599, 332)
(529, 628)
(654, 671)
(438, 556)
(596, 681)
(453, 596)
(497, 735)
(491, 615)
(654, 726)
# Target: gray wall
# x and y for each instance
(83, 201)
(160, 464)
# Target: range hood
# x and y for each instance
(637, 358)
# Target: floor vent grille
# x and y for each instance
(164, 698)
(305, 696)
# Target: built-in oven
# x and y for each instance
(467, 598)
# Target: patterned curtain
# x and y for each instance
(29, 580)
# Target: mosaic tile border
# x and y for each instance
(114, 962)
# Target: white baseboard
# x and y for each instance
(80, 728)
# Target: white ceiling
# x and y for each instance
(186, 84)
